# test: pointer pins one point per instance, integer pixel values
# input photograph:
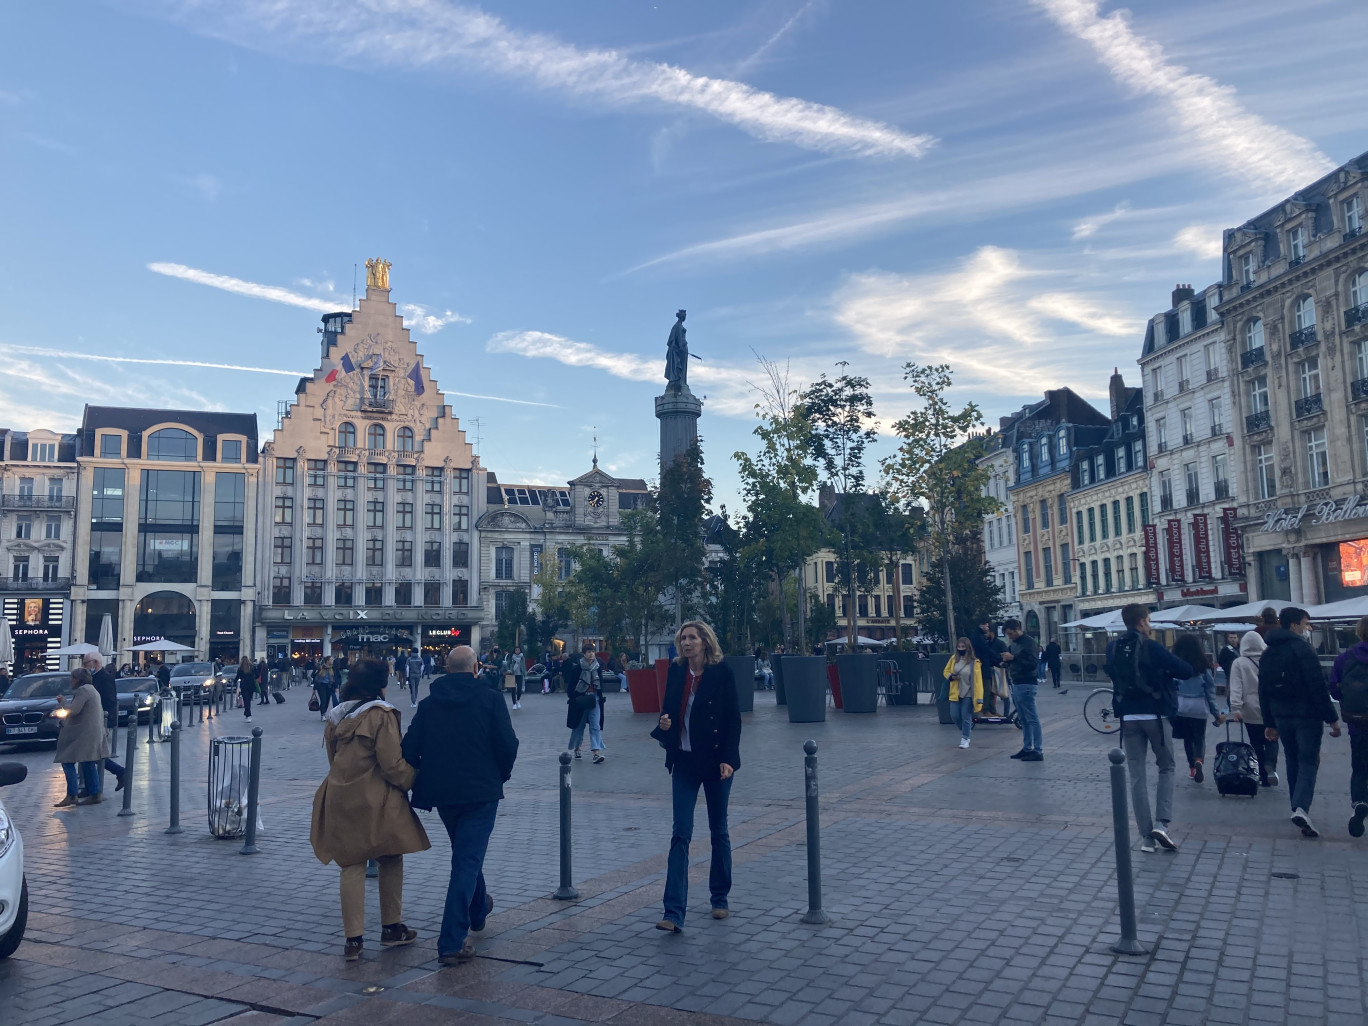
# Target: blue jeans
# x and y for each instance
(468, 826)
(686, 779)
(90, 776)
(963, 713)
(1024, 695)
(591, 717)
(1301, 741)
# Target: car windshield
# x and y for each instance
(192, 670)
(128, 685)
(38, 685)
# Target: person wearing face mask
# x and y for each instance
(964, 672)
(1296, 704)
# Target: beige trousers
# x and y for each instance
(353, 887)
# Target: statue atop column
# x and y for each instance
(677, 357)
(377, 273)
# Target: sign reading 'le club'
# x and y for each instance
(1328, 512)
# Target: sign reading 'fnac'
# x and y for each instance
(1289, 518)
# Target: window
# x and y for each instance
(280, 591)
(1144, 508)
(1047, 566)
(313, 593)
(1161, 433)
(375, 436)
(1116, 517)
(460, 555)
(377, 388)
(346, 473)
(1044, 515)
(906, 575)
(432, 555)
(1093, 568)
(1215, 417)
(460, 518)
(1044, 452)
(1258, 394)
(375, 475)
(1063, 520)
(111, 447)
(1025, 519)
(1317, 459)
(344, 552)
(106, 496)
(1353, 214)
(1092, 524)
(285, 471)
(346, 435)
(1247, 269)
(907, 606)
(1185, 422)
(1219, 480)
(1265, 471)
(1165, 490)
(1084, 474)
(1138, 453)
(50, 565)
(1184, 327)
(1134, 572)
(284, 509)
(1296, 244)
(432, 593)
(1025, 458)
(342, 593)
(1078, 525)
(1130, 514)
(433, 479)
(1120, 454)
(1030, 571)
(318, 473)
(878, 605)
(230, 450)
(1157, 383)
(174, 444)
(314, 513)
(1209, 359)
(1062, 442)
(1310, 375)
(1100, 467)
(374, 593)
(1103, 521)
(346, 512)
(1358, 290)
(313, 551)
(375, 512)
(460, 593)
(52, 529)
(375, 552)
(403, 552)
(432, 516)
(460, 482)
(1065, 567)
(403, 439)
(503, 563)
(1304, 313)
(282, 548)
(1192, 484)
(1106, 575)
(1183, 372)
(404, 477)
(1254, 335)
(170, 497)
(403, 593)
(403, 515)
(23, 527)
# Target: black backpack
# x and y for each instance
(1354, 693)
(1128, 683)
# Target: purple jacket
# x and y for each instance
(1359, 652)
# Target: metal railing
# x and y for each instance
(1353, 233)
(1213, 373)
(1261, 421)
(1217, 430)
(1356, 315)
(1253, 358)
(382, 404)
(1183, 386)
(1302, 337)
(1222, 488)
(1358, 389)
(1187, 438)
(15, 501)
(34, 584)
(1312, 404)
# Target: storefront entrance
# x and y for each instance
(35, 626)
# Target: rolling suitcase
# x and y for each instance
(1237, 767)
(278, 697)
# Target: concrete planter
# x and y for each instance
(743, 669)
(805, 682)
(859, 683)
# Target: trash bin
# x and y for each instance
(230, 762)
(743, 669)
(859, 683)
(805, 681)
(168, 712)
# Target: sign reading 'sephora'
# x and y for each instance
(1289, 518)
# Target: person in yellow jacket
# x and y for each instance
(965, 674)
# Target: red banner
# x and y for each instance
(1174, 538)
(1201, 546)
(1151, 555)
(1234, 550)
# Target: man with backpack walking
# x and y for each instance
(1144, 677)
(1296, 703)
(1349, 684)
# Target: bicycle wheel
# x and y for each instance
(1099, 713)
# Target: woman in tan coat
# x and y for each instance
(82, 741)
(361, 811)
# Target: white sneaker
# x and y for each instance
(964, 742)
(1301, 819)
(1160, 836)
(1147, 846)
(1273, 779)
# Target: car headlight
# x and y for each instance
(60, 714)
(7, 833)
(145, 701)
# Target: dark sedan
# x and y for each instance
(136, 694)
(28, 708)
(191, 678)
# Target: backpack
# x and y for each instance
(1128, 683)
(1237, 767)
(1354, 693)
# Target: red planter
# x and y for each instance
(662, 673)
(834, 679)
(641, 685)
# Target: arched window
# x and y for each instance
(1358, 289)
(346, 435)
(375, 436)
(403, 439)
(1044, 451)
(1304, 313)
(1026, 457)
(172, 444)
(1254, 337)
(1063, 441)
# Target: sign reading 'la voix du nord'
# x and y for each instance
(1328, 512)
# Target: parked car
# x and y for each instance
(28, 708)
(137, 696)
(187, 677)
(13, 886)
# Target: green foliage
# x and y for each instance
(977, 596)
(512, 624)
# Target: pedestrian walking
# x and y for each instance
(263, 688)
(163, 676)
(82, 742)
(988, 647)
(582, 703)
(965, 674)
(462, 744)
(361, 810)
(102, 677)
(701, 734)
(1144, 677)
(1349, 686)
(1296, 705)
(325, 687)
(413, 670)
(1021, 657)
(246, 681)
(1196, 701)
(1053, 663)
(516, 667)
(1244, 705)
(1229, 652)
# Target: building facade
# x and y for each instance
(37, 542)
(370, 493)
(166, 528)
(999, 529)
(1296, 313)
(877, 610)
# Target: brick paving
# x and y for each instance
(963, 888)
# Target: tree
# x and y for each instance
(977, 595)
(895, 535)
(841, 413)
(512, 621)
(672, 538)
(936, 467)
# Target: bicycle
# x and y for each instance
(1099, 711)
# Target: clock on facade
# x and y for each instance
(595, 502)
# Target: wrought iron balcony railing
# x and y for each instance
(1302, 337)
(1310, 405)
(1261, 421)
(1253, 358)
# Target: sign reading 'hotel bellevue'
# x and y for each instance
(403, 614)
(1290, 518)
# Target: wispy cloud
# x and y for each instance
(1231, 139)
(503, 399)
(240, 287)
(1089, 225)
(544, 345)
(433, 33)
(68, 354)
(207, 185)
(418, 318)
(1203, 240)
(792, 22)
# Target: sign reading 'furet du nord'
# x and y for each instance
(1290, 518)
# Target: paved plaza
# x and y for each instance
(963, 887)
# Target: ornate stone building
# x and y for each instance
(999, 529)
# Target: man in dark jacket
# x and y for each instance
(103, 679)
(1022, 658)
(461, 741)
(1296, 703)
(1052, 660)
(988, 649)
(1226, 657)
(1353, 665)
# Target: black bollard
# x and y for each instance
(249, 846)
(814, 837)
(1129, 944)
(153, 718)
(175, 826)
(565, 892)
(131, 746)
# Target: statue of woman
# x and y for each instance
(677, 356)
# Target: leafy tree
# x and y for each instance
(820, 620)
(977, 595)
(895, 535)
(672, 539)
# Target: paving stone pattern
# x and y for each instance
(962, 887)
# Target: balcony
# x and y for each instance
(1296, 261)
(1253, 358)
(1165, 502)
(1222, 488)
(377, 404)
(1261, 421)
(1194, 497)
(1245, 286)
(1356, 315)
(1161, 446)
(10, 501)
(1353, 233)
(1182, 386)
(1157, 396)
(1302, 338)
(35, 584)
(1213, 373)
(1312, 404)
(1217, 430)
(1187, 437)
(1358, 389)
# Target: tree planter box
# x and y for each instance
(909, 673)
(641, 686)
(859, 683)
(805, 682)
(743, 669)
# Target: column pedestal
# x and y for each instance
(678, 413)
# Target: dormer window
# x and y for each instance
(1247, 269)
(1084, 474)
(1100, 467)
(1062, 447)
(42, 452)
(1296, 244)
(1353, 215)
(1184, 320)
(1044, 451)
(1025, 458)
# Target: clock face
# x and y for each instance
(595, 501)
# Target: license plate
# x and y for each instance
(21, 730)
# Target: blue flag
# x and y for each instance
(416, 376)
(347, 365)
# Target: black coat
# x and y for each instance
(108, 688)
(1305, 694)
(714, 724)
(461, 742)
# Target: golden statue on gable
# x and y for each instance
(377, 273)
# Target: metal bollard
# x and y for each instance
(814, 837)
(1129, 944)
(175, 826)
(249, 846)
(153, 717)
(565, 892)
(131, 746)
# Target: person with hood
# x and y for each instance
(583, 703)
(1350, 674)
(462, 744)
(1296, 705)
(964, 672)
(1244, 705)
(82, 742)
(361, 810)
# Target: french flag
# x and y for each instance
(347, 368)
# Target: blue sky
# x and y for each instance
(1012, 186)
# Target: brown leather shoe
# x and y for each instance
(720, 913)
(461, 957)
(66, 802)
(668, 925)
(90, 799)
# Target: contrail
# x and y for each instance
(71, 355)
(501, 399)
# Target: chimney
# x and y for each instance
(1117, 390)
(1181, 293)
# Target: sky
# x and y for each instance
(1008, 186)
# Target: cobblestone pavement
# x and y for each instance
(963, 887)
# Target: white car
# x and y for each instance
(13, 886)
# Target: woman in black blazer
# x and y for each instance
(700, 730)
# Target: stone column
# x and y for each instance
(1294, 576)
(678, 413)
(1310, 578)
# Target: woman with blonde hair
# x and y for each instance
(700, 730)
(965, 674)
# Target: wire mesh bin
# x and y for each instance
(230, 761)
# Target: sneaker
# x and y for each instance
(1160, 837)
(1273, 779)
(721, 913)
(598, 757)
(1356, 823)
(964, 742)
(489, 908)
(1192, 772)
(397, 936)
(669, 926)
(577, 754)
(1147, 846)
(1021, 754)
(352, 951)
(1197, 771)
(1033, 757)
(1301, 819)
(461, 957)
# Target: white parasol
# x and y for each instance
(107, 637)
(6, 642)
(161, 645)
(76, 648)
